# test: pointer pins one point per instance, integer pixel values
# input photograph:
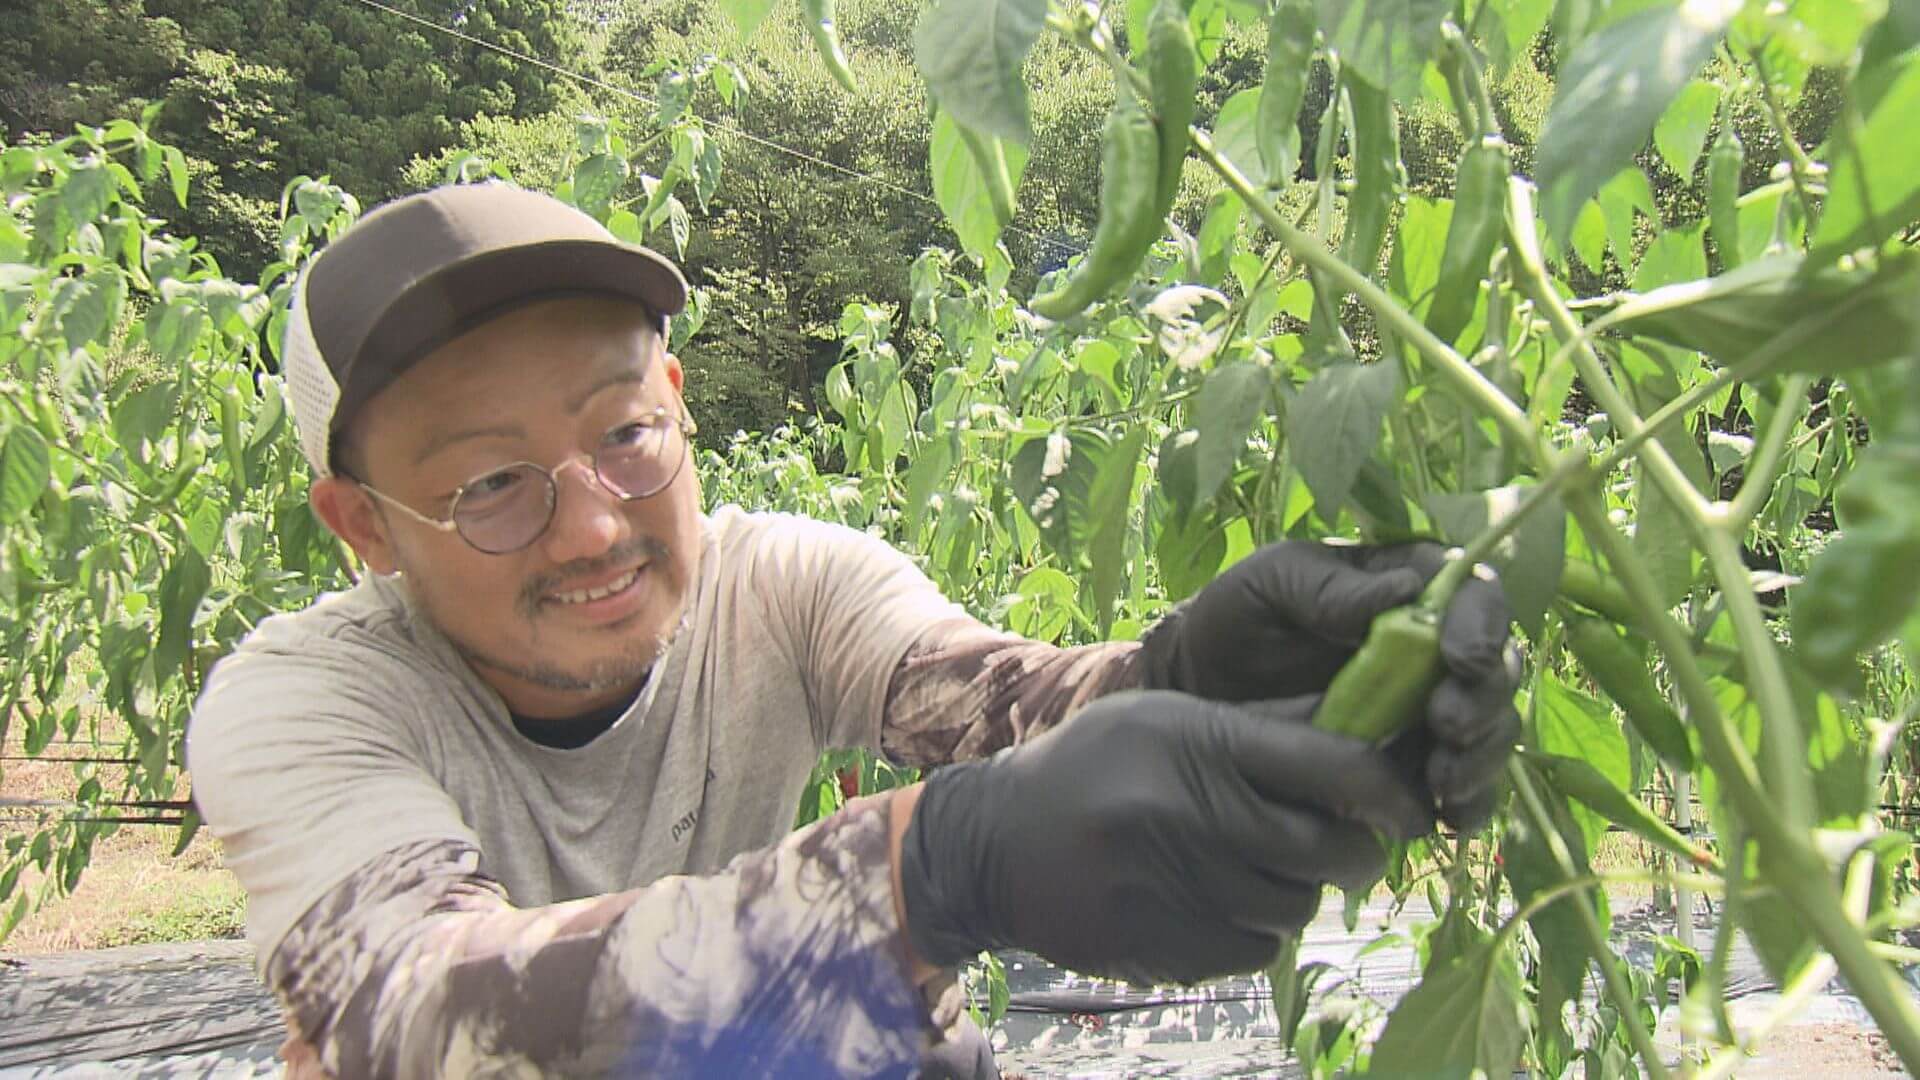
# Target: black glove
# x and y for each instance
(1154, 837)
(1285, 619)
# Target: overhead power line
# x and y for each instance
(635, 95)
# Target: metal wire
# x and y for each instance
(635, 95)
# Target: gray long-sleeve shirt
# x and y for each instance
(431, 893)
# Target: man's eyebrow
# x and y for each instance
(443, 439)
(618, 377)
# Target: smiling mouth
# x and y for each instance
(599, 592)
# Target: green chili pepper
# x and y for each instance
(1173, 72)
(1383, 687)
(1724, 165)
(826, 38)
(991, 159)
(273, 412)
(1376, 175)
(1582, 583)
(47, 416)
(1479, 221)
(1129, 218)
(1620, 670)
(1277, 119)
(1576, 778)
(231, 442)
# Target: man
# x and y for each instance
(518, 802)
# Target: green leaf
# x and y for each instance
(177, 174)
(141, 417)
(1415, 268)
(961, 190)
(1046, 606)
(1468, 1013)
(1053, 477)
(1598, 792)
(597, 180)
(1864, 585)
(1787, 314)
(1620, 198)
(181, 589)
(1178, 469)
(1563, 953)
(1283, 87)
(1189, 552)
(189, 827)
(1231, 401)
(24, 473)
(84, 308)
(746, 15)
(1660, 534)
(1677, 254)
(1572, 724)
(1218, 233)
(1106, 546)
(926, 475)
(87, 191)
(1387, 43)
(1506, 28)
(1873, 186)
(1845, 782)
(1682, 129)
(971, 53)
(1334, 423)
(1612, 89)
(1236, 134)
(1529, 560)
(1590, 237)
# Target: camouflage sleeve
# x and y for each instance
(790, 961)
(965, 690)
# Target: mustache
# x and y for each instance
(534, 592)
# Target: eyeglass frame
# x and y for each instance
(660, 417)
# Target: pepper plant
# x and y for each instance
(1624, 411)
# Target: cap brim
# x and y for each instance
(462, 295)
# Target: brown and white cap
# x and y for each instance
(422, 270)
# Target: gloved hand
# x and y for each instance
(1154, 837)
(1282, 622)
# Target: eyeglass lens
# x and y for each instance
(506, 510)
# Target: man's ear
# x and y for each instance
(676, 374)
(343, 507)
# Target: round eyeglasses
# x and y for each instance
(506, 509)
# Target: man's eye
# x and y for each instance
(493, 485)
(631, 436)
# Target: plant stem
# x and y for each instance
(1811, 980)
(1657, 420)
(1795, 867)
(1714, 989)
(1533, 280)
(1800, 166)
(1764, 466)
(1454, 368)
(1794, 998)
(1617, 987)
(1790, 785)
(1547, 897)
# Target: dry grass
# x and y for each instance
(133, 891)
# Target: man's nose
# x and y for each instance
(586, 516)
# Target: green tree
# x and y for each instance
(259, 93)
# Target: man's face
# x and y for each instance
(544, 384)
